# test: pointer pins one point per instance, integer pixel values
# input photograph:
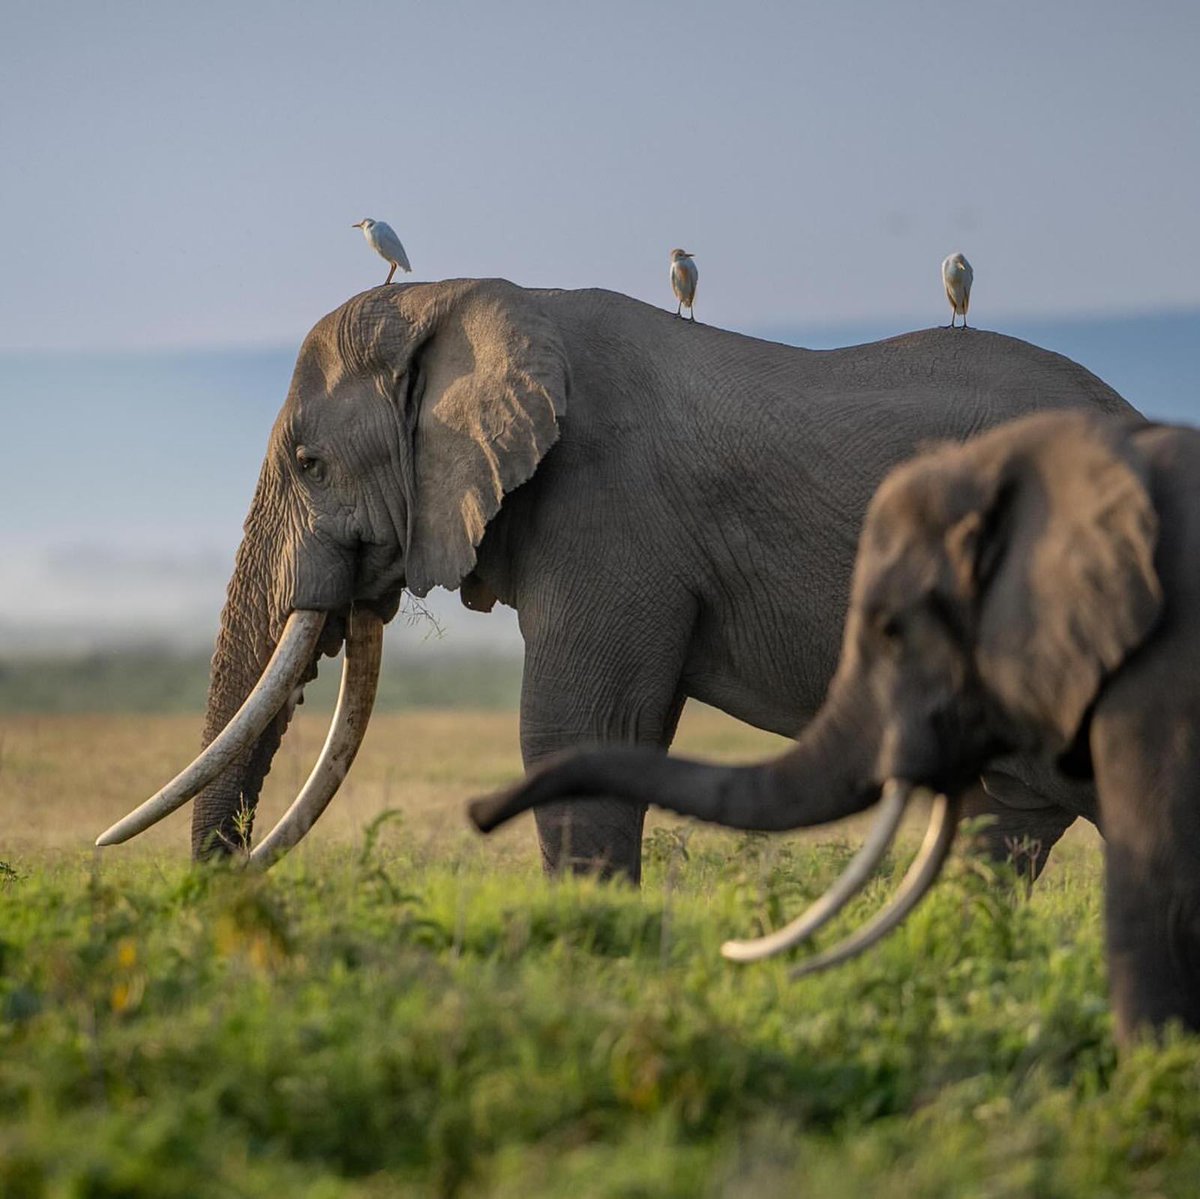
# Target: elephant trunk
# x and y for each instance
(830, 774)
(223, 813)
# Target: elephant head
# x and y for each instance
(999, 589)
(411, 412)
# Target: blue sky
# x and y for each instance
(186, 175)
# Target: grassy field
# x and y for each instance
(402, 1008)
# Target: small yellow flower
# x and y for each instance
(126, 953)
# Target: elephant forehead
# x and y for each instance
(316, 373)
(365, 333)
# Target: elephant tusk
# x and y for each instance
(926, 866)
(360, 676)
(291, 659)
(852, 880)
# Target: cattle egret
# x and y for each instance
(957, 276)
(381, 237)
(683, 281)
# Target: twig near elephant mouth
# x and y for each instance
(415, 611)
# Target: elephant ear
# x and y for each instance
(1062, 558)
(494, 382)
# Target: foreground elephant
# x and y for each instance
(672, 510)
(1037, 588)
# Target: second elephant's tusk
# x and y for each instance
(926, 866)
(360, 677)
(292, 657)
(852, 880)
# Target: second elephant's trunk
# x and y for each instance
(830, 774)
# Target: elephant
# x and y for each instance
(1035, 589)
(672, 509)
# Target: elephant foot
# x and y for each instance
(596, 838)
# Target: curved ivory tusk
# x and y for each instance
(849, 883)
(926, 866)
(292, 657)
(360, 676)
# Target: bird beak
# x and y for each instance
(357, 225)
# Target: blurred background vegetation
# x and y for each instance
(168, 681)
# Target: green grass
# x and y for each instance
(399, 1017)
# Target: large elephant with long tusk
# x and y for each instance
(672, 509)
(1034, 589)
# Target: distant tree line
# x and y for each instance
(140, 680)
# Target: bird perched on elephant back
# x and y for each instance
(684, 277)
(1036, 589)
(957, 277)
(671, 509)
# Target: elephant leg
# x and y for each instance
(1147, 759)
(598, 836)
(605, 688)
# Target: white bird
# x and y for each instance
(957, 276)
(381, 237)
(683, 281)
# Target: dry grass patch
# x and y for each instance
(63, 779)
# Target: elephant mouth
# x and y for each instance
(307, 634)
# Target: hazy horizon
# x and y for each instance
(156, 454)
(182, 181)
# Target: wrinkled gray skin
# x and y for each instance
(1035, 589)
(672, 510)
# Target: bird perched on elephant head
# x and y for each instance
(381, 237)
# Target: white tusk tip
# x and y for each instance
(735, 951)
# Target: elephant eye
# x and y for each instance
(311, 467)
(890, 627)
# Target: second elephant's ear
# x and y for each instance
(494, 381)
(1063, 561)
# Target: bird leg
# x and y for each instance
(390, 274)
(679, 308)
